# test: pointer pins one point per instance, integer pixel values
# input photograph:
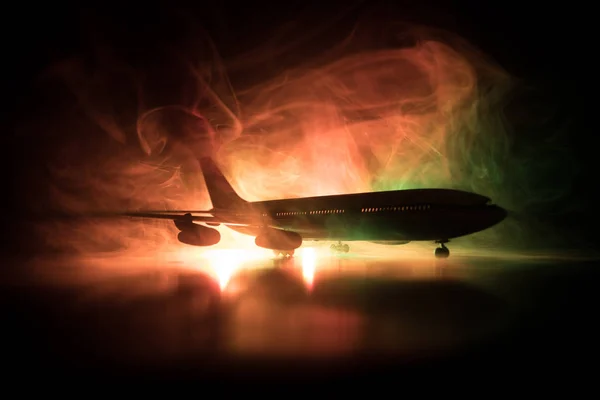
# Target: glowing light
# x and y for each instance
(224, 263)
(309, 261)
(425, 114)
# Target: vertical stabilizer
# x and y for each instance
(222, 195)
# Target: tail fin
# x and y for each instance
(222, 195)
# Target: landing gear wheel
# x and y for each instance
(442, 251)
(288, 253)
(339, 248)
(283, 253)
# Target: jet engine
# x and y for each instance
(194, 234)
(277, 239)
(198, 235)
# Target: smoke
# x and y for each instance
(391, 106)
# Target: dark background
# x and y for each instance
(545, 46)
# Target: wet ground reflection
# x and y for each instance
(304, 307)
(311, 307)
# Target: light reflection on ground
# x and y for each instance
(414, 260)
(239, 301)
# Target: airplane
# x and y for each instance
(388, 217)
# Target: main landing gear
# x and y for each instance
(442, 251)
(283, 253)
(340, 248)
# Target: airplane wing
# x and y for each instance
(202, 216)
(214, 217)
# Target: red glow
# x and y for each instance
(368, 119)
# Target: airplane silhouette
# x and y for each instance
(390, 217)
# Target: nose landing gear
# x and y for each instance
(340, 248)
(442, 251)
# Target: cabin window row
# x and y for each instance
(421, 207)
(398, 208)
(289, 213)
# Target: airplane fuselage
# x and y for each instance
(393, 216)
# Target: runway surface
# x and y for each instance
(245, 314)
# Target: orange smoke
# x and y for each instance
(362, 117)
